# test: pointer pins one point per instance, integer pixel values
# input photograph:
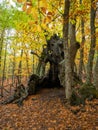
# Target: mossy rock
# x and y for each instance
(79, 96)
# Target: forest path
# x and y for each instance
(46, 111)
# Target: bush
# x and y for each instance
(79, 96)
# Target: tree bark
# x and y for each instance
(4, 67)
(27, 63)
(72, 32)
(92, 46)
(20, 68)
(68, 71)
(33, 67)
(96, 73)
(1, 46)
(14, 65)
(73, 51)
(81, 63)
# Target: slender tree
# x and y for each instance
(1, 47)
(20, 68)
(68, 71)
(81, 63)
(14, 65)
(4, 67)
(72, 35)
(96, 73)
(93, 44)
(27, 64)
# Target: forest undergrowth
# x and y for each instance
(47, 110)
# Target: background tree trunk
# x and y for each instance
(20, 68)
(33, 67)
(72, 35)
(27, 63)
(4, 67)
(14, 65)
(68, 70)
(81, 63)
(1, 46)
(96, 73)
(93, 44)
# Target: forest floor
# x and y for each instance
(47, 110)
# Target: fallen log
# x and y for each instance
(20, 93)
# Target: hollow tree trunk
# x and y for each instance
(42, 63)
(92, 46)
(41, 68)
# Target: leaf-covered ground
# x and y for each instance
(47, 110)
